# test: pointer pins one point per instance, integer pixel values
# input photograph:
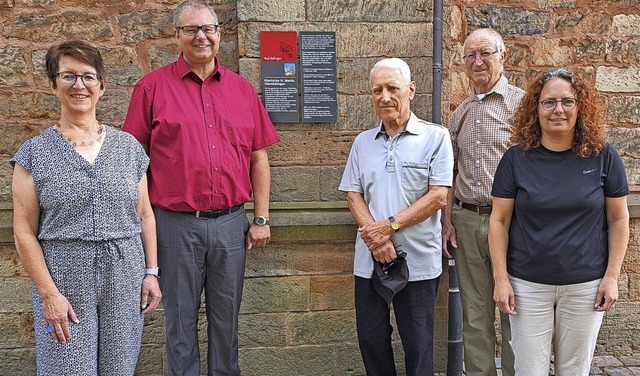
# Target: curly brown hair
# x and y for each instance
(590, 133)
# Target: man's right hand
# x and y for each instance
(448, 237)
(385, 253)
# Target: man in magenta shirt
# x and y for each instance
(206, 131)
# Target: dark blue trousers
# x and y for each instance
(414, 308)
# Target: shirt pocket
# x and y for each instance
(240, 135)
(240, 129)
(415, 176)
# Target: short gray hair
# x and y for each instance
(192, 5)
(396, 63)
(492, 33)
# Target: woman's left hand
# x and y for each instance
(607, 294)
(150, 295)
(504, 297)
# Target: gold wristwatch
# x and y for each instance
(395, 225)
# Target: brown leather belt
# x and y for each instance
(214, 213)
(482, 210)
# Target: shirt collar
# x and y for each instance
(411, 127)
(500, 88)
(184, 69)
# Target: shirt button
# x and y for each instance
(477, 121)
(478, 142)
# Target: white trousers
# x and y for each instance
(554, 317)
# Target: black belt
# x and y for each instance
(482, 209)
(214, 213)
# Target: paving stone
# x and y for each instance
(606, 361)
(618, 371)
(631, 360)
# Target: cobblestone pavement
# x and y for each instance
(625, 365)
(628, 365)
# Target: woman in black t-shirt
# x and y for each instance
(559, 228)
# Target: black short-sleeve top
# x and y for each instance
(558, 232)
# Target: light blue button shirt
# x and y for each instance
(392, 174)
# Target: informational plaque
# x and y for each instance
(279, 55)
(314, 75)
(319, 77)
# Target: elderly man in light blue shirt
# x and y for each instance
(397, 178)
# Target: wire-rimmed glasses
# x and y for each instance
(567, 103)
(485, 55)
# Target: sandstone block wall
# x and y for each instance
(297, 316)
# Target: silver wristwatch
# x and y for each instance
(260, 221)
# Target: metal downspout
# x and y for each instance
(436, 98)
(454, 342)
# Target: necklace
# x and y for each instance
(76, 144)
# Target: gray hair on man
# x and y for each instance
(192, 5)
(394, 63)
(499, 41)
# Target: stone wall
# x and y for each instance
(297, 315)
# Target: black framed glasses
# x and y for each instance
(567, 103)
(193, 30)
(485, 55)
(88, 79)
